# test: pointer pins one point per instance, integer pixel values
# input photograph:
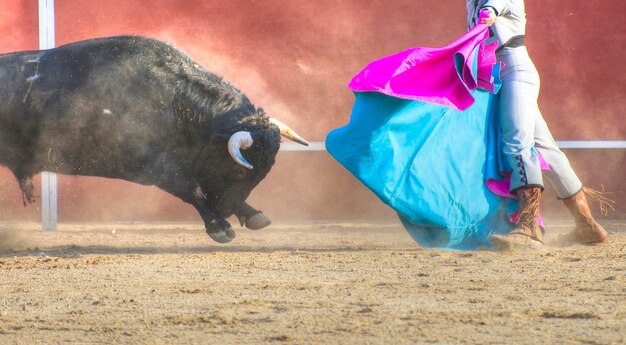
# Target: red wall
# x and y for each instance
(294, 58)
(18, 25)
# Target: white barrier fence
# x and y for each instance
(48, 179)
(319, 145)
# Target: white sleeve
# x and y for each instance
(501, 6)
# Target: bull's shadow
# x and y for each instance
(75, 251)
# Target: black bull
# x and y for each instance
(140, 110)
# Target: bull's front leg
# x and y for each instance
(166, 175)
(25, 181)
(216, 227)
(251, 218)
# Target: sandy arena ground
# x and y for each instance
(301, 284)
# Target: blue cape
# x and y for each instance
(429, 162)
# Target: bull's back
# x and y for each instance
(110, 107)
(79, 107)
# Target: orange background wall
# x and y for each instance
(294, 58)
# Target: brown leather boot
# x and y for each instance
(527, 233)
(587, 230)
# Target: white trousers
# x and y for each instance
(524, 131)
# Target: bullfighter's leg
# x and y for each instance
(252, 219)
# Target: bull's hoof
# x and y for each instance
(223, 236)
(258, 221)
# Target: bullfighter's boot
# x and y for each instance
(527, 233)
(587, 230)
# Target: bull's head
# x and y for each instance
(243, 140)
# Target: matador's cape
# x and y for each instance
(423, 137)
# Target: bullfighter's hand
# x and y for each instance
(487, 16)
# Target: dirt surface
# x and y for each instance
(301, 284)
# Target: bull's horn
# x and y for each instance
(289, 133)
(238, 141)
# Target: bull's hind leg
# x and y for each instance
(28, 190)
(251, 218)
(26, 186)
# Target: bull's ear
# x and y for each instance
(288, 133)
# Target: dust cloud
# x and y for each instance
(11, 239)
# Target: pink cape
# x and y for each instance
(426, 74)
